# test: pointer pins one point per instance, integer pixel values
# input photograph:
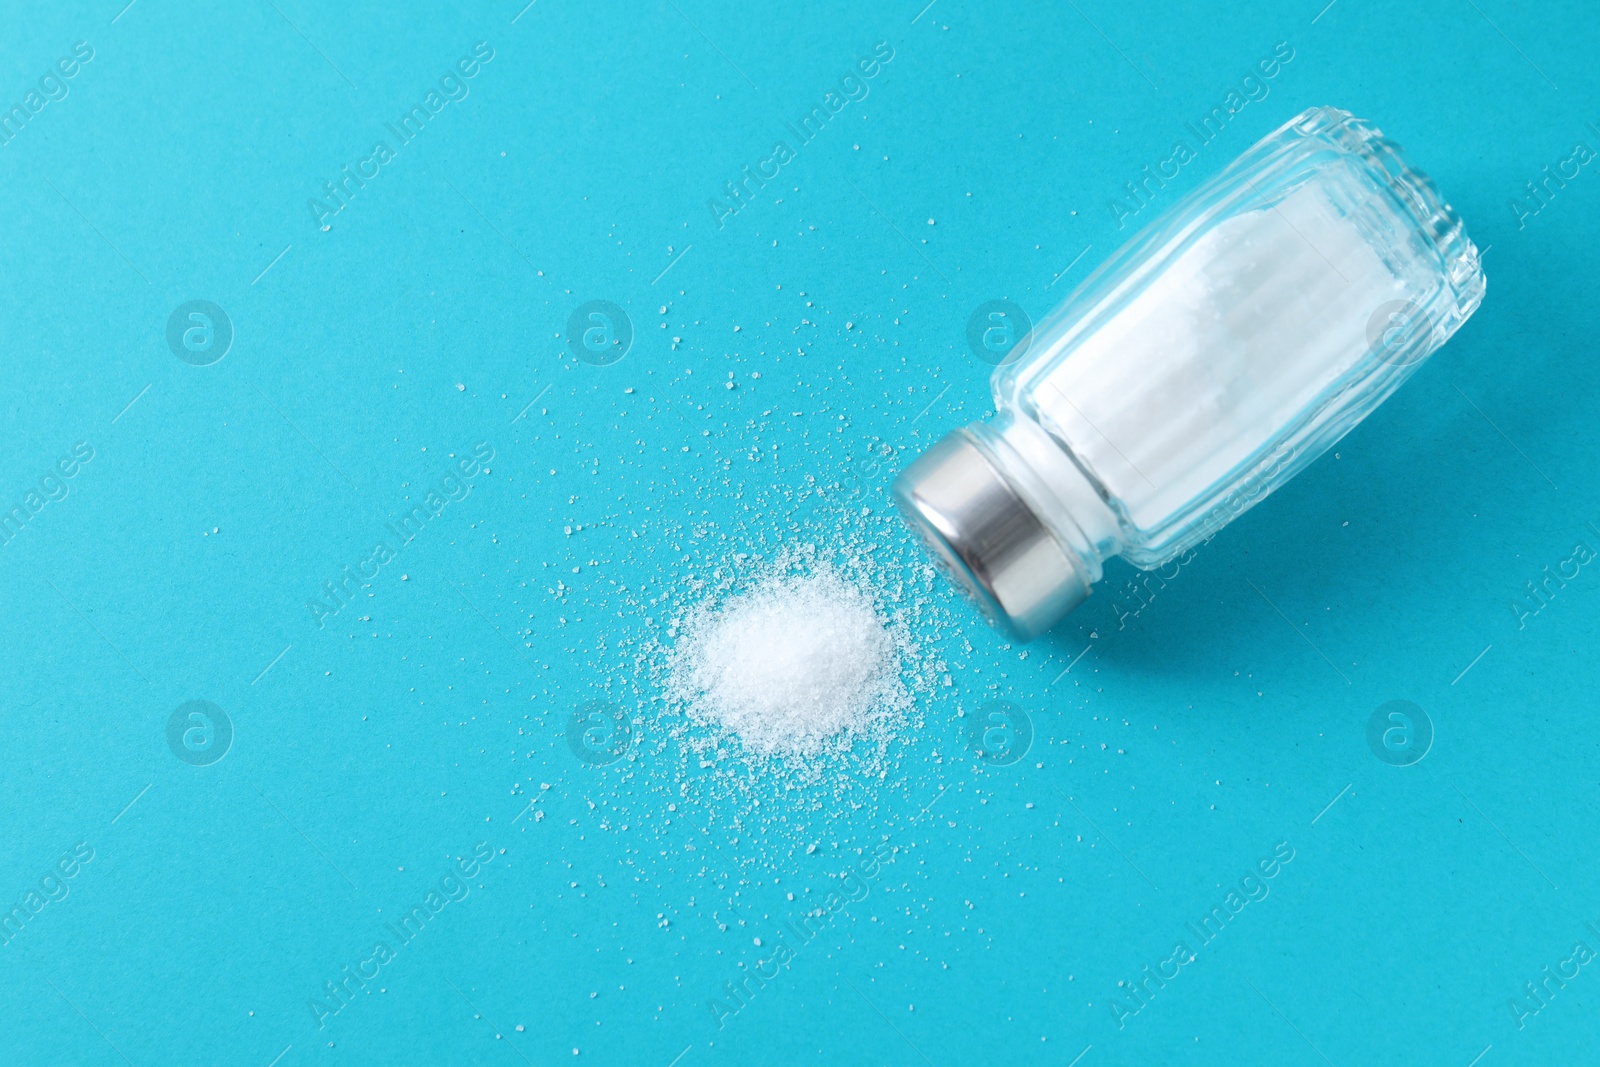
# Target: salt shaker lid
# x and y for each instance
(988, 538)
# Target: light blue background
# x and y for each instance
(1178, 750)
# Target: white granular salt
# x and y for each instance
(789, 665)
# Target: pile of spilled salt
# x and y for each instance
(790, 664)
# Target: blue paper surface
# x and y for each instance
(222, 794)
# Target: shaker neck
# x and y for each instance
(1047, 477)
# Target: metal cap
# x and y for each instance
(988, 538)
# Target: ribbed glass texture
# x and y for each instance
(1247, 330)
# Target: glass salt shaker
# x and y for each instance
(1213, 357)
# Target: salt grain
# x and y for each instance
(792, 663)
